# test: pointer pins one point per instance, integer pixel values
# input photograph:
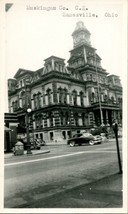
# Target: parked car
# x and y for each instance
(41, 142)
(84, 138)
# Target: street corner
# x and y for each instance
(39, 152)
(33, 152)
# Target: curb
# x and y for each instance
(22, 156)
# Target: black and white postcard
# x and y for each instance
(63, 90)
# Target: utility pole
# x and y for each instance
(115, 129)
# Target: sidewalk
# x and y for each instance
(34, 152)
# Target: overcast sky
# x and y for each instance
(33, 35)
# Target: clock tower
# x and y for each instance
(81, 35)
(82, 52)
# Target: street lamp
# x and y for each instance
(27, 131)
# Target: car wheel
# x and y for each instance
(91, 142)
(72, 143)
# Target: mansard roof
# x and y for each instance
(22, 72)
(55, 58)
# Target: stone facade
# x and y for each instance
(67, 99)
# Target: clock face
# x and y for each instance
(81, 38)
(77, 39)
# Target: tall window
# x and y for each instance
(65, 95)
(35, 101)
(81, 98)
(49, 96)
(62, 118)
(38, 121)
(76, 119)
(112, 99)
(67, 118)
(39, 99)
(15, 105)
(92, 97)
(105, 98)
(83, 119)
(23, 97)
(74, 93)
(60, 94)
(50, 119)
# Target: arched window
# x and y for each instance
(105, 98)
(13, 106)
(81, 98)
(112, 99)
(65, 95)
(50, 119)
(76, 119)
(92, 97)
(67, 118)
(39, 100)
(23, 97)
(49, 96)
(74, 93)
(60, 94)
(62, 117)
(35, 101)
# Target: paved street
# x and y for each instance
(34, 181)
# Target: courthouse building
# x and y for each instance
(67, 99)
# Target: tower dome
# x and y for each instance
(81, 35)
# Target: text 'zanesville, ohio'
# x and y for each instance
(79, 11)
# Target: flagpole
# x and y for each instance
(98, 87)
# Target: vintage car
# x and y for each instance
(84, 138)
